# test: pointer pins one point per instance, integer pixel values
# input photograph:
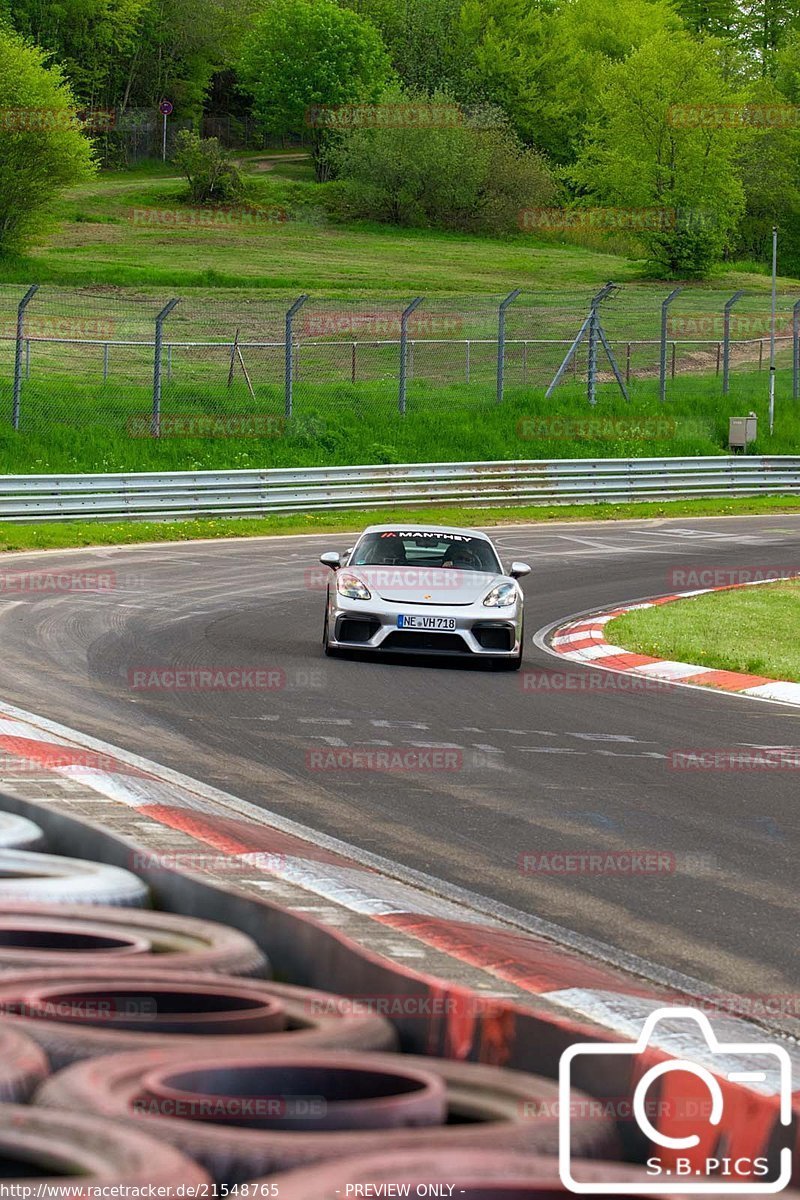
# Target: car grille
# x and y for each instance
(419, 639)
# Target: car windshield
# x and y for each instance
(426, 548)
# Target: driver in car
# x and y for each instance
(461, 556)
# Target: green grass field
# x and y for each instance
(67, 428)
(107, 274)
(94, 240)
(753, 630)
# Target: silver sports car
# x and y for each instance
(425, 589)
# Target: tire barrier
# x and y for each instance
(84, 1013)
(351, 1093)
(18, 833)
(37, 937)
(50, 879)
(228, 1111)
(49, 1151)
(472, 1175)
(23, 1066)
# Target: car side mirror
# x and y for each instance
(332, 559)
(519, 570)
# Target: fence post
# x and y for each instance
(105, 361)
(466, 360)
(664, 324)
(796, 350)
(288, 359)
(155, 425)
(23, 304)
(591, 370)
(401, 400)
(726, 340)
(353, 348)
(501, 341)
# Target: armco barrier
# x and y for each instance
(508, 1034)
(512, 482)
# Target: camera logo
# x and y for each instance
(765, 1067)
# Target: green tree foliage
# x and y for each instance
(304, 57)
(422, 39)
(543, 64)
(132, 53)
(210, 172)
(42, 147)
(769, 167)
(469, 175)
(641, 154)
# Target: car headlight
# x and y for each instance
(352, 587)
(502, 596)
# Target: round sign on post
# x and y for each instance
(165, 108)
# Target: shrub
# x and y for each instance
(470, 174)
(210, 172)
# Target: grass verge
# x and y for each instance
(753, 630)
(54, 536)
(70, 426)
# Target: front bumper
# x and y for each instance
(479, 632)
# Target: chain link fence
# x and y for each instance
(143, 364)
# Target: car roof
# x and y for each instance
(446, 529)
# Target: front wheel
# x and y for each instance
(512, 664)
(508, 664)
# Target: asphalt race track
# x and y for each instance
(541, 771)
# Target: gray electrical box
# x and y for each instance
(742, 431)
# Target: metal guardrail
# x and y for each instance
(306, 489)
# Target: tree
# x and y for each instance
(42, 147)
(304, 58)
(769, 165)
(133, 53)
(468, 175)
(657, 144)
(422, 39)
(543, 63)
(88, 38)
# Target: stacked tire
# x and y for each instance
(353, 1104)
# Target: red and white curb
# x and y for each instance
(584, 640)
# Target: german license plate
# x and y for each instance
(419, 622)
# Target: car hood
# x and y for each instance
(428, 585)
